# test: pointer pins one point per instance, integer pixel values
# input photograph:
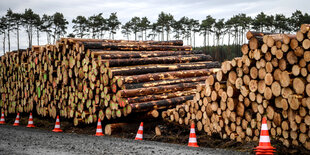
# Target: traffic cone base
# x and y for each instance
(30, 122)
(99, 129)
(99, 134)
(16, 123)
(57, 130)
(192, 141)
(192, 145)
(264, 140)
(139, 135)
(30, 126)
(57, 125)
(2, 120)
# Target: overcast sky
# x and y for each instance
(126, 9)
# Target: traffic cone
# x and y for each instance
(192, 142)
(57, 125)
(264, 146)
(139, 135)
(30, 122)
(16, 123)
(99, 129)
(2, 120)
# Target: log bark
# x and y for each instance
(132, 47)
(135, 70)
(164, 75)
(251, 34)
(81, 40)
(114, 128)
(157, 60)
(106, 54)
(156, 90)
(163, 82)
(159, 96)
(144, 106)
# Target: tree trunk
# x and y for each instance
(4, 38)
(194, 40)
(47, 38)
(17, 37)
(135, 35)
(158, 36)
(162, 35)
(94, 35)
(38, 37)
(30, 38)
(208, 39)
(205, 41)
(145, 35)
(190, 37)
(9, 41)
(228, 42)
(54, 36)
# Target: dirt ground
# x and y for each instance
(176, 135)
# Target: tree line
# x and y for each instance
(166, 27)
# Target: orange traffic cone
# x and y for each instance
(264, 140)
(30, 122)
(2, 120)
(192, 142)
(16, 123)
(99, 129)
(139, 135)
(57, 125)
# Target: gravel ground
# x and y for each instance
(22, 140)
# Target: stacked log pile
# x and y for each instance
(86, 79)
(15, 79)
(270, 80)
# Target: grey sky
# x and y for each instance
(197, 9)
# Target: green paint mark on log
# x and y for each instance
(39, 92)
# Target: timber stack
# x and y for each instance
(270, 80)
(87, 79)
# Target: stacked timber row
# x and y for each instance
(270, 80)
(29, 81)
(86, 79)
(15, 78)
